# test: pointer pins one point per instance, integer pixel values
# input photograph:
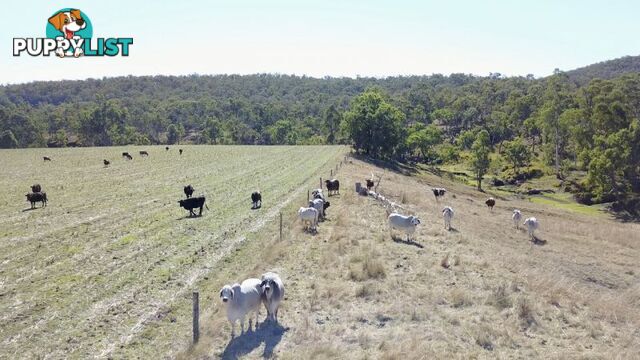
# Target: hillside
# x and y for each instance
(605, 70)
(481, 290)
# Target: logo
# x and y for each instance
(69, 34)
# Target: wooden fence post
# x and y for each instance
(307, 195)
(331, 173)
(321, 183)
(196, 317)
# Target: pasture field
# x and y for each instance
(479, 291)
(108, 267)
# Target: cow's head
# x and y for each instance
(414, 220)
(226, 293)
(267, 287)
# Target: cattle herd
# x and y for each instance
(409, 223)
(246, 297)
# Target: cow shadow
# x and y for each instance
(400, 240)
(256, 207)
(537, 241)
(268, 332)
(30, 209)
(453, 230)
(186, 217)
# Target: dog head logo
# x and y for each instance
(72, 25)
(68, 22)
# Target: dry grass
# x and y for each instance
(480, 291)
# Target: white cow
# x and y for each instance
(405, 223)
(318, 204)
(531, 224)
(447, 214)
(317, 194)
(309, 215)
(517, 215)
(240, 299)
(273, 294)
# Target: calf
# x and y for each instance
(193, 203)
(240, 299)
(188, 190)
(35, 197)
(333, 186)
(144, 153)
(36, 188)
(407, 224)
(491, 202)
(256, 198)
(46, 158)
(272, 294)
(180, 150)
(106, 162)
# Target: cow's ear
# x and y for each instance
(56, 20)
(76, 13)
(263, 283)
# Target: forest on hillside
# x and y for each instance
(592, 128)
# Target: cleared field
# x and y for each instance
(107, 268)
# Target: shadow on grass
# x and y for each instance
(391, 165)
(189, 217)
(29, 209)
(454, 230)
(537, 241)
(268, 332)
(400, 240)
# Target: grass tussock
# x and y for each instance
(366, 267)
(459, 298)
(525, 311)
(499, 297)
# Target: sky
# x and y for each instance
(330, 37)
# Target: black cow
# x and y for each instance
(256, 198)
(491, 202)
(325, 206)
(127, 156)
(46, 158)
(106, 162)
(438, 192)
(333, 186)
(180, 151)
(144, 153)
(35, 197)
(166, 148)
(369, 184)
(193, 203)
(188, 190)
(36, 188)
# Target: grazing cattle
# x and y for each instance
(333, 186)
(272, 294)
(438, 193)
(36, 188)
(491, 202)
(166, 148)
(193, 203)
(370, 184)
(447, 214)
(188, 190)
(256, 199)
(317, 194)
(35, 197)
(144, 153)
(531, 224)
(180, 150)
(517, 215)
(46, 158)
(127, 156)
(318, 204)
(407, 224)
(106, 162)
(240, 299)
(308, 216)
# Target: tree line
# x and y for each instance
(570, 126)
